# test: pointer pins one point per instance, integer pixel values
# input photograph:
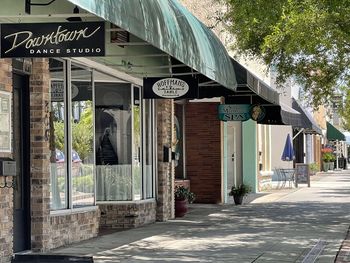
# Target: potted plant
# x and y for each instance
(238, 192)
(328, 159)
(314, 168)
(332, 160)
(183, 196)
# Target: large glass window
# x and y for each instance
(119, 132)
(178, 141)
(148, 159)
(58, 171)
(71, 142)
(98, 126)
(82, 154)
(113, 140)
(136, 145)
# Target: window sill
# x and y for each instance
(151, 200)
(74, 211)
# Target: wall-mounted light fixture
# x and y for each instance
(28, 4)
(75, 18)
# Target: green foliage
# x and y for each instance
(59, 134)
(328, 157)
(345, 111)
(182, 193)
(82, 133)
(308, 40)
(240, 190)
(314, 167)
(84, 184)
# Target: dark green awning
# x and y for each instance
(334, 134)
(170, 27)
(307, 121)
(251, 89)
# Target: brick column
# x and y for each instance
(40, 155)
(165, 174)
(6, 194)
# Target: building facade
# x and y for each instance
(81, 147)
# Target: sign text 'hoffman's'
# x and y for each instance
(170, 88)
(73, 39)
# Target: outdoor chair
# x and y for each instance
(281, 180)
(288, 175)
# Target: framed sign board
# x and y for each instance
(5, 121)
(302, 174)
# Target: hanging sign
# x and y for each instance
(73, 39)
(257, 112)
(170, 88)
(234, 112)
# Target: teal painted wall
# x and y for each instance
(249, 151)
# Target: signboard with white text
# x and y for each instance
(234, 112)
(72, 39)
(170, 88)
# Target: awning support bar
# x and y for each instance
(302, 129)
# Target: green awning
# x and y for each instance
(334, 134)
(170, 27)
(307, 121)
(251, 89)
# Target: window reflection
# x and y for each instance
(113, 141)
(82, 157)
(58, 172)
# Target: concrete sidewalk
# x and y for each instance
(283, 226)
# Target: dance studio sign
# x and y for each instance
(73, 39)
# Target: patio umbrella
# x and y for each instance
(288, 152)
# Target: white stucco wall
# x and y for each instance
(279, 135)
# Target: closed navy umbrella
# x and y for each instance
(288, 152)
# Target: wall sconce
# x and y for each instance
(74, 18)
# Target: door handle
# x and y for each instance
(233, 157)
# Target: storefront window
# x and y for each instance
(82, 157)
(178, 141)
(118, 142)
(108, 126)
(148, 150)
(58, 171)
(71, 142)
(113, 141)
(136, 143)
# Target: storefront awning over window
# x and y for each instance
(334, 134)
(251, 89)
(281, 115)
(170, 27)
(307, 121)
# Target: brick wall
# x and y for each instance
(67, 229)
(165, 170)
(6, 223)
(127, 215)
(49, 231)
(39, 157)
(6, 194)
(203, 151)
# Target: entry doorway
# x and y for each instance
(21, 154)
(231, 159)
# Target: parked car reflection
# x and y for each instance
(76, 162)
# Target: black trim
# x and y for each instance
(24, 100)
